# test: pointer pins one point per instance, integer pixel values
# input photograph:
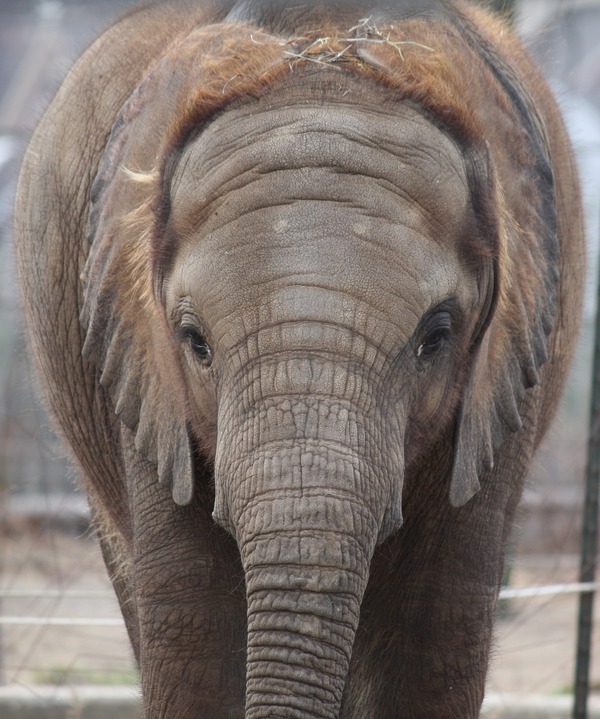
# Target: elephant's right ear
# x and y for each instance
(127, 336)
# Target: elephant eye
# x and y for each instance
(432, 344)
(436, 332)
(198, 345)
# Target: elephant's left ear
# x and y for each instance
(127, 337)
(518, 285)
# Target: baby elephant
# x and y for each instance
(302, 280)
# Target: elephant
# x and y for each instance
(302, 282)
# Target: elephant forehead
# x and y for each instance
(280, 267)
(343, 152)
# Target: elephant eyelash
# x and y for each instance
(433, 343)
(435, 333)
(197, 342)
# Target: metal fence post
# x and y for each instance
(589, 535)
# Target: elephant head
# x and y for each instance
(298, 272)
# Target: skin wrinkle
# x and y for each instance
(287, 642)
(342, 610)
(374, 374)
(295, 606)
(293, 461)
(376, 315)
(330, 446)
(329, 449)
(369, 374)
(316, 199)
(248, 131)
(284, 664)
(208, 209)
(306, 486)
(254, 420)
(356, 352)
(318, 578)
(265, 496)
(308, 685)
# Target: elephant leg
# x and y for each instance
(430, 658)
(188, 589)
(426, 621)
(118, 566)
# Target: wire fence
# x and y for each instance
(52, 630)
(546, 590)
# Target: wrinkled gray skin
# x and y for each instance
(319, 569)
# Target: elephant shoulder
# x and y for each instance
(51, 212)
(73, 130)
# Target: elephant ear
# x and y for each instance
(127, 337)
(515, 205)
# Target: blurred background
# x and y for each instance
(61, 623)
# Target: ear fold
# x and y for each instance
(507, 358)
(127, 336)
(511, 340)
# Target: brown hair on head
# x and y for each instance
(422, 61)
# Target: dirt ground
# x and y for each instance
(534, 652)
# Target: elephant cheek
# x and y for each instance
(392, 517)
(221, 514)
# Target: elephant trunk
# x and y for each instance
(296, 486)
(306, 571)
